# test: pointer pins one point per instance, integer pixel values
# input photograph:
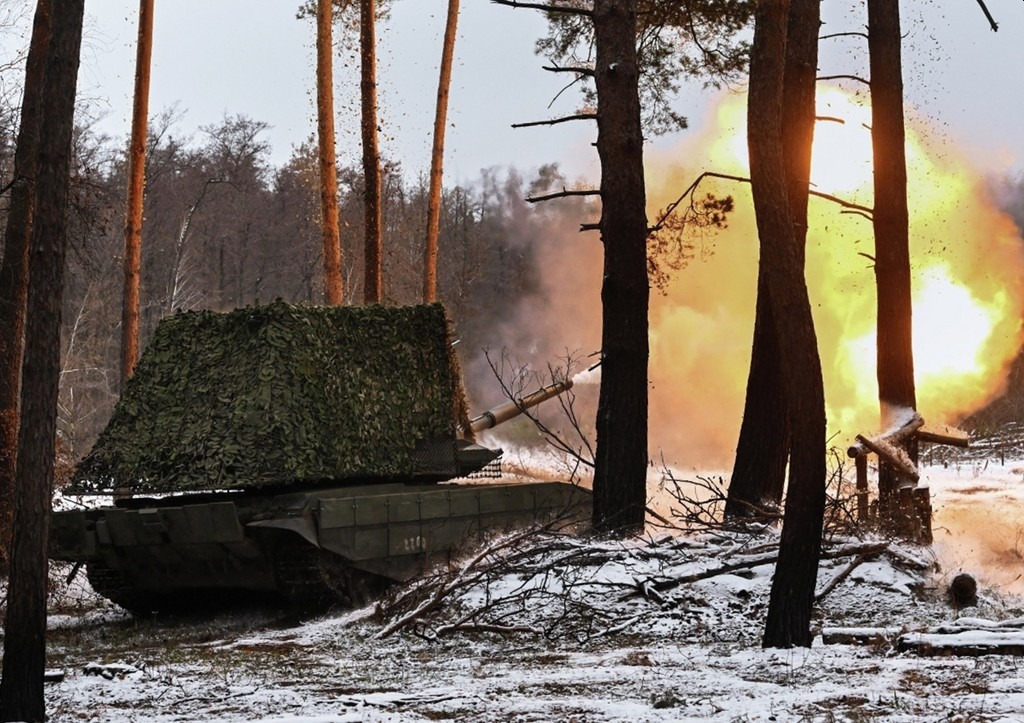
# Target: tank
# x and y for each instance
(309, 455)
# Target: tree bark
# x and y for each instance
(437, 155)
(14, 271)
(24, 660)
(331, 234)
(895, 370)
(373, 279)
(762, 450)
(792, 595)
(136, 193)
(620, 470)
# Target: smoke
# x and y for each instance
(978, 523)
(967, 259)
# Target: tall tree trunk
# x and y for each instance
(333, 285)
(373, 291)
(14, 271)
(136, 193)
(792, 595)
(895, 371)
(437, 155)
(763, 448)
(24, 660)
(620, 470)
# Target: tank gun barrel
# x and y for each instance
(514, 407)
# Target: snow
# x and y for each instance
(680, 652)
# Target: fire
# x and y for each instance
(967, 260)
(953, 330)
(968, 300)
(841, 155)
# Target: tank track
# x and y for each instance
(114, 586)
(311, 578)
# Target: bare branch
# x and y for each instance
(555, 121)
(864, 210)
(861, 210)
(991, 20)
(579, 78)
(564, 193)
(843, 35)
(544, 6)
(13, 182)
(844, 77)
(581, 70)
(581, 451)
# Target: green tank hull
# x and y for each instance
(307, 548)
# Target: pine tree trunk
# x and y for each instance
(620, 470)
(792, 595)
(331, 234)
(373, 283)
(136, 193)
(895, 370)
(437, 155)
(763, 448)
(24, 659)
(14, 271)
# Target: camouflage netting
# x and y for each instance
(280, 394)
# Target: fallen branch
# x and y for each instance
(842, 575)
(466, 574)
(866, 550)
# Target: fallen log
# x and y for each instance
(859, 636)
(972, 643)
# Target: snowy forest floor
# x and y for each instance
(662, 629)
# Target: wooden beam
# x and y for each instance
(883, 453)
(945, 434)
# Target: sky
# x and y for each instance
(253, 57)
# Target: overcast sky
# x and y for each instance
(253, 57)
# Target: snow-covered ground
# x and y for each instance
(610, 632)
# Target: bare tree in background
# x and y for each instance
(333, 286)
(136, 194)
(14, 270)
(792, 595)
(759, 470)
(373, 282)
(24, 658)
(437, 155)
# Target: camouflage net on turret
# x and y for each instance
(281, 394)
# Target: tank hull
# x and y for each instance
(337, 544)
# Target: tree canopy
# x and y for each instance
(677, 40)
